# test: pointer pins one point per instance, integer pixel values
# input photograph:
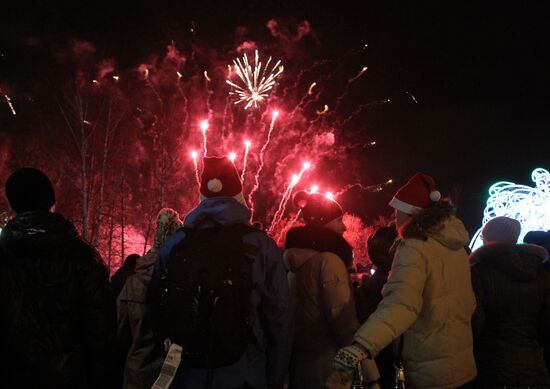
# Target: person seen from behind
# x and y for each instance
(141, 364)
(57, 312)
(428, 300)
(224, 297)
(512, 317)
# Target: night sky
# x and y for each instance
(480, 74)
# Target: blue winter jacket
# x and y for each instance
(265, 363)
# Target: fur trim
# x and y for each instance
(522, 262)
(428, 219)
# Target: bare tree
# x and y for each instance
(75, 115)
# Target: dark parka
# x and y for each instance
(512, 318)
(57, 314)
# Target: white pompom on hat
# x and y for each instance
(418, 193)
(220, 179)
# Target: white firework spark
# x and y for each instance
(257, 80)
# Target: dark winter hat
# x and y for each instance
(540, 238)
(418, 193)
(220, 179)
(380, 243)
(317, 209)
(501, 229)
(28, 189)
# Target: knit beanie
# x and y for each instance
(317, 209)
(418, 193)
(501, 229)
(28, 189)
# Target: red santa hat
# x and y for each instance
(418, 193)
(220, 179)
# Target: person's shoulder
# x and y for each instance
(329, 261)
(83, 254)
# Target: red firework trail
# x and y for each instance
(286, 196)
(204, 127)
(185, 101)
(261, 165)
(346, 90)
(282, 232)
(209, 93)
(247, 144)
(370, 188)
(194, 156)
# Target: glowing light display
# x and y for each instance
(255, 80)
(528, 205)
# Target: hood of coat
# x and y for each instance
(437, 222)
(296, 258)
(217, 211)
(522, 262)
(318, 239)
(36, 231)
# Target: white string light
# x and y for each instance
(530, 206)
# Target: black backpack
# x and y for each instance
(205, 296)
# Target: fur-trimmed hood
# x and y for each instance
(522, 262)
(438, 222)
(319, 239)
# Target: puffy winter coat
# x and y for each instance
(142, 365)
(265, 363)
(57, 312)
(429, 299)
(323, 303)
(512, 318)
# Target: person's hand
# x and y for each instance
(339, 379)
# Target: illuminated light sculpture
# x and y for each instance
(528, 205)
(257, 80)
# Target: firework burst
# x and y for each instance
(257, 80)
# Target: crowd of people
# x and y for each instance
(215, 303)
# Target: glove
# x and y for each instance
(348, 357)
